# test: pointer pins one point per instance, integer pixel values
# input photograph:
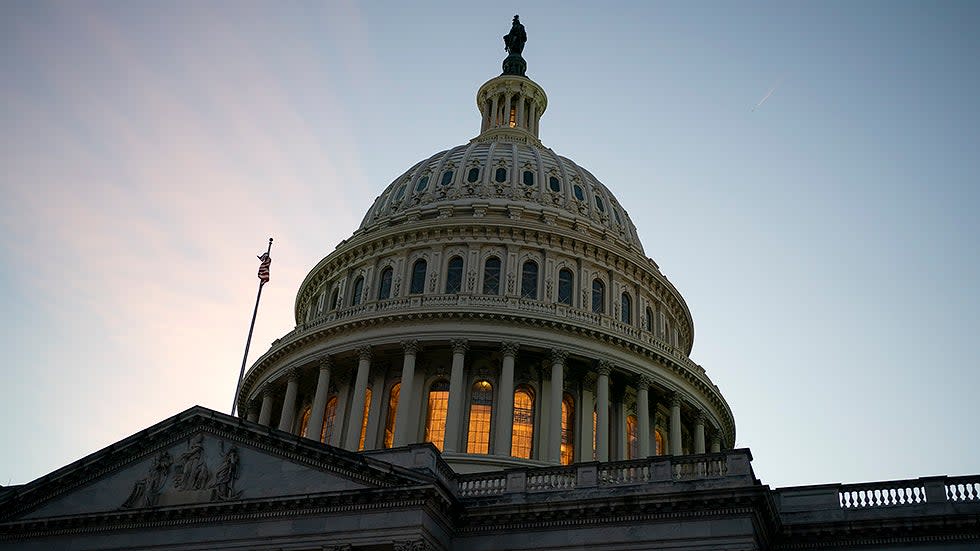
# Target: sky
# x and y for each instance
(805, 173)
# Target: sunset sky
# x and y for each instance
(825, 239)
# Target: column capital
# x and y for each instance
(509, 348)
(604, 368)
(325, 362)
(700, 418)
(715, 440)
(267, 391)
(364, 353)
(292, 374)
(411, 346)
(460, 346)
(644, 382)
(558, 355)
(675, 399)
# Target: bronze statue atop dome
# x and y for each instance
(514, 42)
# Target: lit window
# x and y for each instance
(423, 183)
(632, 442)
(522, 434)
(447, 178)
(355, 298)
(626, 310)
(598, 296)
(579, 194)
(304, 420)
(529, 280)
(329, 416)
(454, 275)
(491, 276)
(481, 405)
(554, 184)
(565, 281)
(567, 430)
(501, 175)
(658, 438)
(418, 277)
(473, 175)
(513, 117)
(364, 421)
(595, 426)
(384, 287)
(435, 414)
(528, 178)
(392, 411)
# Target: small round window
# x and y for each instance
(473, 176)
(423, 183)
(599, 204)
(401, 192)
(577, 190)
(554, 184)
(447, 178)
(528, 178)
(501, 175)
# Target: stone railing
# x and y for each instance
(930, 492)
(881, 494)
(963, 489)
(664, 470)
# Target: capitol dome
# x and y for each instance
(495, 301)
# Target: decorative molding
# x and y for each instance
(364, 353)
(411, 347)
(558, 355)
(459, 346)
(508, 348)
(604, 368)
(325, 362)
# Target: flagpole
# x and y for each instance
(248, 341)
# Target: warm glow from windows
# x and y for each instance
(435, 415)
(567, 430)
(329, 415)
(367, 406)
(513, 117)
(481, 404)
(392, 411)
(632, 442)
(523, 432)
(658, 437)
(304, 420)
(595, 425)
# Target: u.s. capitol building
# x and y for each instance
(490, 362)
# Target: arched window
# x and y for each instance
(567, 430)
(522, 435)
(418, 277)
(491, 276)
(384, 285)
(649, 320)
(355, 298)
(364, 419)
(390, 418)
(473, 175)
(529, 280)
(565, 282)
(658, 438)
(481, 405)
(595, 427)
(329, 416)
(304, 420)
(598, 296)
(435, 413)
(632, 442)
(626, 309)
(333, 299)
(454, 275)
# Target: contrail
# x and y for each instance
(763, 100)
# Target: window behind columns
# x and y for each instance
(598, 296)
(567, 429)
(491, 276)
(418, 277)
(333, 299)
(392, 411)
(364, 419)
(632, 440)
(304, 420)
(649, 320)
(481, 404)
(658, 438)
(522, 435)
(454, 275)
(435, 413)
(595, 426)
(566, 280)
(329, 416)
(626, 310)
(355, 298)
(384, 284)
(529, 280)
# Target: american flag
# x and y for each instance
(264, 267)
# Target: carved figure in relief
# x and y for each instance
(146, 491)
(191, 472)
(223, 488)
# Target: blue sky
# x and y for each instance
(824, 241)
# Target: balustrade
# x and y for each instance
(482, 485)
(882, 494)
(551, 478)
(625, 472)
(960, 489)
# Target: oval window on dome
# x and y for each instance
(579, 194)
(528, 178)
(447, 178)
(401, 192)
(501, 175)
(554, 184)
(599, 204)
(473, 175)
(423, 183)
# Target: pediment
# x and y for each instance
(204, 458)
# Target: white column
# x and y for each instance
(265, 414)
(532, 120)
(643, 415)
(506, 121)
(505, 399)
(584, 420)
(675, 425)
(699, 433)
(403, 436)
(602, 413)
(715, 444)
(493, 112)
(357, 397)
(454, 413)
(315, 426)
(288, 414)
(520, 112)
(557, 387)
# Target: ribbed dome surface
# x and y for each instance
(507, 172)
